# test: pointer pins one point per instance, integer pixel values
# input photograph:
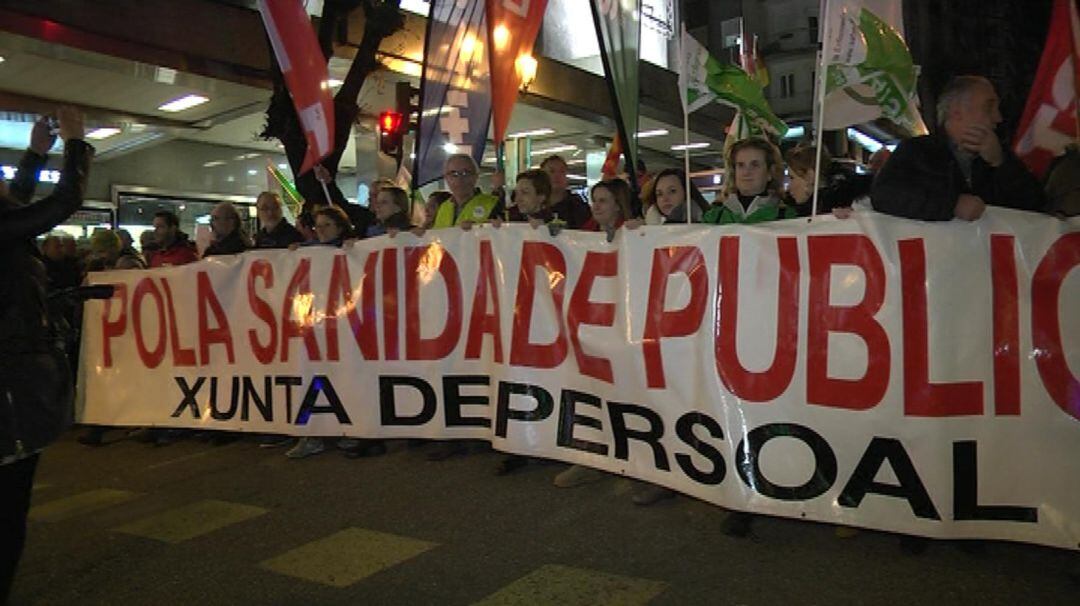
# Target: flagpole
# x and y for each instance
(686, 123)
(821, 80)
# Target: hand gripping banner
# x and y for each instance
(875, 372)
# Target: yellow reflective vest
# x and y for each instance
(477, 209)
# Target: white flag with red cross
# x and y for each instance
(1050, 119)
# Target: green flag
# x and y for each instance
(703, 79)
(870, 72)
(732, 86)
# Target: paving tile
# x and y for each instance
(346, 557)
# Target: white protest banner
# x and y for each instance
(876, 372)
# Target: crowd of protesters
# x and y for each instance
(954, 173)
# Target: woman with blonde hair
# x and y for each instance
(752, 186)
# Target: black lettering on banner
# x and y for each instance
(568, 418)
(909, 487)
(189, 396)
(453, 400)
(966, 491)
(545, 405)
(265, 407)
(388, 402)
(320, 384)
(747, 462)
(217, 414)
(622, 434)
(684, 428)
(289, 383)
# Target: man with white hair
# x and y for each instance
(958, 170)
(229, 237)
(467, 204)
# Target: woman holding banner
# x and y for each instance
(752, 187)
(667, 199)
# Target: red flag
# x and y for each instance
(512, 28)
(610, 169)
(304, 68)
(1049, 122)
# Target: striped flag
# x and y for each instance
(304, 68)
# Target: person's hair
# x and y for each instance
(540, 181)
(400, 197)
(801, 158)
(336, 215)
(956, 90)
(105, 241)
(620, 190)
(232, 213)
(169, 216)
(552, 158)
(773, 163)
(465, 157)
(270, 194)
(693, 194)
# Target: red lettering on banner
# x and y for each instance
(523, 352)
(823, 317)
(584, 311)
(661, 322)
(390, 303)
(262, 269)
(421, 262)
(769, 384)
(921, 397)
(181, 356)
(363, 326)
(480, 322)
(298, 313)
(209, 336)
(1062, 385)
(151, 358)
(1006, 325)
(113, 328)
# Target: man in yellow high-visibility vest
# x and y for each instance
(467, 204)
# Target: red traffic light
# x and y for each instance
(390, 122)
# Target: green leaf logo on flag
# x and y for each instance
(870, 63)
(732, 86)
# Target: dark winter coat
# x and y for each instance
(281, 236)
(35, 382)
(923, 179)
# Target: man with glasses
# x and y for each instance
(467, 204)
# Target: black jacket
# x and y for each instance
(923, 179)
(232, 244)
(281, 236)
(35, 382)
(573, 210)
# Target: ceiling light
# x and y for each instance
(531, 133)
(252, 172)
(578, 177)
(689, 146)
(659, 132)
(213, 163)
(185, 102)
(2, 59)
(573, 162)
(554, 150)
(334, 82)
(283, 166)
(102, 133)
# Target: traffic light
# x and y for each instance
(391, 131)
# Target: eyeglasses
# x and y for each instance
(459, 173)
